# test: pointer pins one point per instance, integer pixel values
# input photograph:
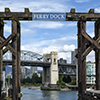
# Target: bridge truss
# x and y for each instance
(67, 70)
(25, 56)
(29, 58)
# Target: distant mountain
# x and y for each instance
(9, 69)
(39, 71)
(28, 70)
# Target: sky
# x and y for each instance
(46, 36)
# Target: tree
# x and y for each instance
(34, 80)
(67, 79)
(73, 82)
(28, 80)
(60, 82)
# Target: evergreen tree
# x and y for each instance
(67, 79)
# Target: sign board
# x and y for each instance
(49, 16)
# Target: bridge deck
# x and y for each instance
(37, 63)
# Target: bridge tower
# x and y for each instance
(50, 74)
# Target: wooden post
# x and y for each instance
(97, 55)
(18, 57)
(81, 64)
(14, 60)
(1, 63)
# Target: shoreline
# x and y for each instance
(38, 87)
(30, 87)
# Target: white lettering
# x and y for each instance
(40, 16)
(50, 16)
(35, 16)
(62, 16)
(45, 16)
(57, 16)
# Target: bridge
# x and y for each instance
(33, 59)
(49, 62)
(85, 45)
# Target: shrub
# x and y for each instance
(61, 84)
(73, 82)
(26, 83)
(67, 79)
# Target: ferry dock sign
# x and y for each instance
(49, 16)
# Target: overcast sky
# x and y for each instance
(46, 36)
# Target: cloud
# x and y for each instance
(7, 28)
(97, 10)
(54, 42)
(81, 1)
(46, 50)
(91, 56)
(45, 24)
(71, 24)
(27, 31)
(36, 6)
(48, 24)
(69, 48)
(66, 56)
(46, 46)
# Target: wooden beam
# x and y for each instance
(1, 57)
(27, 10)
(7, 15)
(7, 10)
(91, 11)
(18, 59)
(14, 61)
(75, 16)
(9, 47)
(92, 41)
(5, 49)
(72, 10)
(7, 40)
(89, 49)
(86, 52)
(97, 55)
(81, 64)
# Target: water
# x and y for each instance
(38, 94)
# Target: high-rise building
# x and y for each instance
(23, 72)
(61, 60)
(90, 73)
(33, 70)
(90, 68)
(74, 60)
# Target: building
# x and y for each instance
(23, 72)
(33, 70)
(39, 73)
(74, 60)
(90, 68)
(90, 73)
(61, 60)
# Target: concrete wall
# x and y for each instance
(54, 68)
(50, 74)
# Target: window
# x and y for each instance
(54, 59)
